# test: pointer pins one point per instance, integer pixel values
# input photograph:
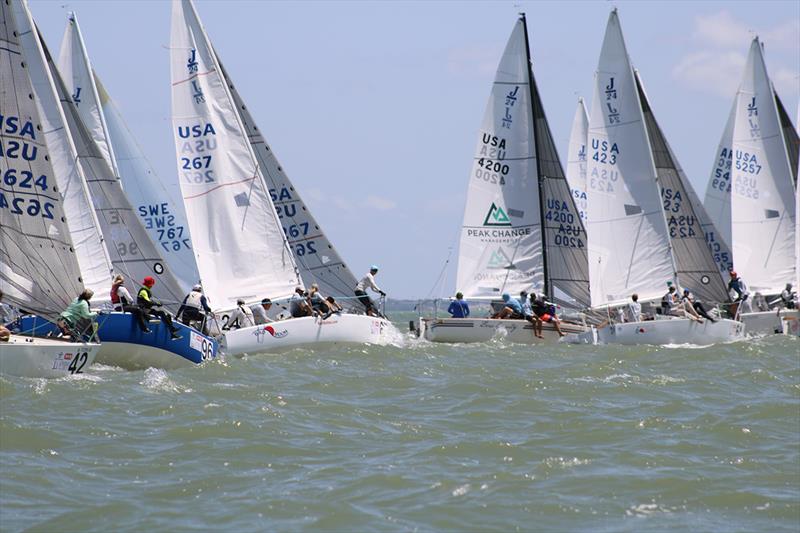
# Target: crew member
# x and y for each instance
(260, 311)
(194, 307)
(634, 309)
(241, 317)
(148, 305)
(458, 307)
(77, 320)
(690, 302)
(530, 316)
(368, 282)
(737, 287)
(546, 312)
(511, 308)
(122, 300)
(789, 297)
(298, 304)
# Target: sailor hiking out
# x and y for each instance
(149, 306)
(368, 282)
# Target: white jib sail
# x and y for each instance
(501, 242)
(762, 193)
(238, 241)
(87, 237)
(629, 247)
(314, 253)
(39, 270)
(160, 212)
(576, 158)
(718, 198)
(76, 71)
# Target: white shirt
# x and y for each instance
(124, 298)
(367, 281)
(634, 312)
(242, 317)
(260, 315)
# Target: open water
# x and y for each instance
(489, 437)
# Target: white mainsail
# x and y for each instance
(686, 217)
(576, 158)
(314, 254)
(762, 193)
(629, 249)
(161, 214)
(237, 237)
(39, 269)
(87, 237)
(501, 241)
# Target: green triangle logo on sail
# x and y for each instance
(499, 259)
(496, 217)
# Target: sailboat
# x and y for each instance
(126, 248)
(158, 208)
(242, 252)
(39, 270)
(752, 189)
(521, 228)
(644, 220)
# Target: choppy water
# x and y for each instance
(429, 437)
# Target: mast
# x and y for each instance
(539, 178)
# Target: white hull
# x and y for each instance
(791, 326)
(35, 357)
(486, 329)
(309, 332)
(768, 322)
(660, 332)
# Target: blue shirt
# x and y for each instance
(515, 306)
(458, 309)
(527, 309)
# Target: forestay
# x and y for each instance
(762, 196)
(629, 251)
(501, 242)
(87, 238)
(158, 210)
(39, 270)
(576, 158)
(240, 250)
(314, 254)
(694, 263)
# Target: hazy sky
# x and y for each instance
(373, 108)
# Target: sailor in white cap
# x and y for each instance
(368, 282)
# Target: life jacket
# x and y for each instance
(193, 300)
(114, 295)
(143, 297)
